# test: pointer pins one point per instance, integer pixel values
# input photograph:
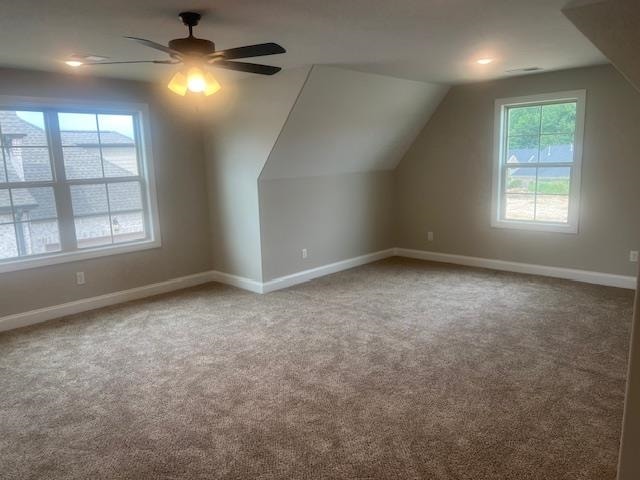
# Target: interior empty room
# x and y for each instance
(320, 240)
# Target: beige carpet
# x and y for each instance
(396, 370)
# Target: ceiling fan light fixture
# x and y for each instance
(178, 84)
(196, 82)
(212, 85)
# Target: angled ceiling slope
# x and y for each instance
(613, 26)
(346, 122)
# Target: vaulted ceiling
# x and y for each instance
(429, 40)
(345, 121)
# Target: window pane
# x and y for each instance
(519, 206)
(552, 208)
(117, 137)
(78, 129)
(524, 121)
(116, 129)
(39, 237)
(523, 149)
(28, 164)
(128, 226)
(82, 162)
(8, 245)
(34, 203)
(554, 180)
(556, 148)
(559, 118)
(19, 128)
(125, 196)
(120, 161)
(93, 231)
(520, 180)
(6, 215)
(89, 199)
(3, 172)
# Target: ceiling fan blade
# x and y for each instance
(247, 67)
(166, 62)
(259, 50)
(157, 46)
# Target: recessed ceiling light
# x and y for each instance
(74, 63)
(485, 61)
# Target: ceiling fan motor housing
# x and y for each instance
(192, 46)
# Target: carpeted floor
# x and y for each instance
(396, 370)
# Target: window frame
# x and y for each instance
(499, 164)
(62, 186)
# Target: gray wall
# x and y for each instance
(241, 128)
(444, 182)
(334, 217)
(266, 138)
(328, 184)
(614, 27)
(629, 464)
(181, 188)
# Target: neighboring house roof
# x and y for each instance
(13, 126)
(84, 138)
(552, 154)
(82, 160)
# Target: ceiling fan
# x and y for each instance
(196, 54)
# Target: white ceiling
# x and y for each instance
(431, 40)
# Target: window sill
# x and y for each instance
(535, 227)
(58, 258)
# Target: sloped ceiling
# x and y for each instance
(246, 118)
(614, 27)
(346, 121)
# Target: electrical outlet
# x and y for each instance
(304, 253)
(633, 256)
(430, 236)
(79, 278)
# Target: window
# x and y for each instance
(538, 154)
(75, 182)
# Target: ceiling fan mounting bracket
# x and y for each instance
(190, 19)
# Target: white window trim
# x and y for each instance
(574, 193)
(148, 173)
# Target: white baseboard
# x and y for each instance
(43, 314)
(306, 275)
(49, 313)
(586, 276)
(32, 317)
(236, 281)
